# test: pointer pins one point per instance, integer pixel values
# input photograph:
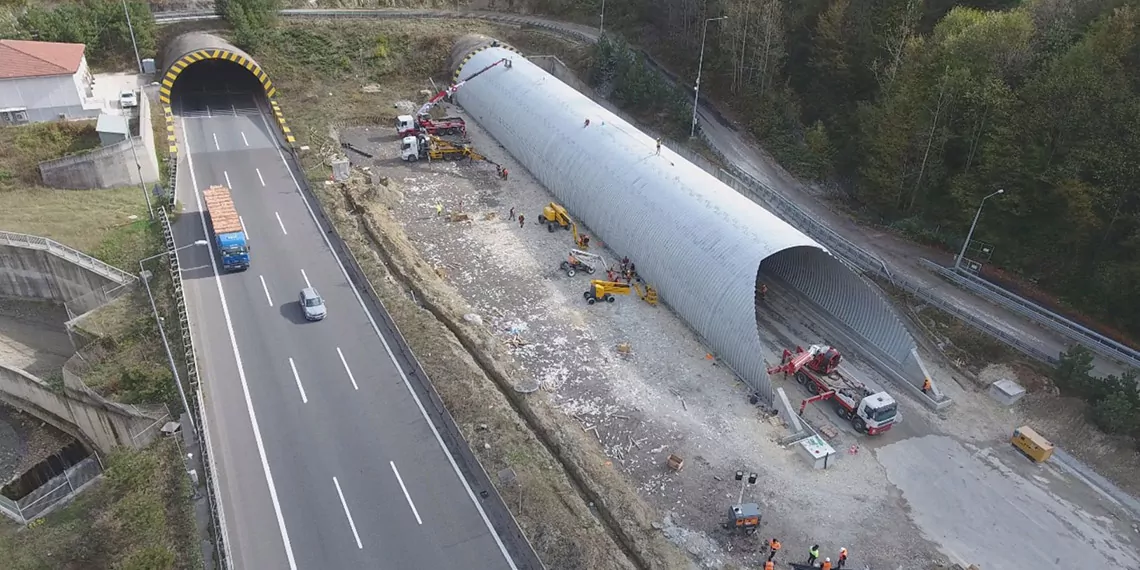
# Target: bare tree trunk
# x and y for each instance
(929, 143)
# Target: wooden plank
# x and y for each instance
(220, 205)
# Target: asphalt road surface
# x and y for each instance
(325, 457)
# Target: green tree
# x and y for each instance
(250, 19)
(100, 24)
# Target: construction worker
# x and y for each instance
(842, 561)
(511, 214)
(774, 547)
(826, 564)
(586, 124)
(769, 565)
(813, 555)
(624, 263)
(438, 209)
(926, 386)
(505, 174)
(658, 146)
(763, 291)
(585, 242)
(521, 220)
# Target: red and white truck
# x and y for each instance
(870, 411)
(412, 125)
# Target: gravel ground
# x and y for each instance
(667, 397)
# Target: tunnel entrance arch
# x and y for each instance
(194, 47)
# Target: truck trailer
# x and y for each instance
(229, 234)
(870, 411)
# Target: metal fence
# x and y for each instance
(217, 518)
(1093, 340)
(52, 492)
(75, 256)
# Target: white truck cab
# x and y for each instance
(405, 124)
(410, 148)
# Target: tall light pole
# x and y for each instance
(700, 64)
(162, 333)
(958, 262)
(133, 42)
(602, 23)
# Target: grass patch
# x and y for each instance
(138, 517)
(22, 148)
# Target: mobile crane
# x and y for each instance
(408, 125)
(817, 368)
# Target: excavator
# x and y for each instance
(555, 215)
(407, 125)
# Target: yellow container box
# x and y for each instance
(1032, 444)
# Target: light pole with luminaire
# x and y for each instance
(700, 64)
(162, 332)
(965, 244)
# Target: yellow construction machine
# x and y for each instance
(555, 215)
(605, 291)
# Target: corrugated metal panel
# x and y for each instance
(694, 238)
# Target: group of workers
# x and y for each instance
(813, 557)
(627, 272)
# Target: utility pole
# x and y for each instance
(134, 43)
(700, 65)
(965, 244)
(602, 23)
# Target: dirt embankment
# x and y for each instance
(576, 509)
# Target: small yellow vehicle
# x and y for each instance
(1029, 442)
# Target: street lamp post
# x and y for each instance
(602, 22)
(978, 214)
(700, 64)
(162, 332)
(134, 43)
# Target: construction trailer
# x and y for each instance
(818, 369)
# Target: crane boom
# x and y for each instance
(451, 89)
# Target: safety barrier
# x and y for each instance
(217, 517)
(73, 255)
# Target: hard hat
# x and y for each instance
(827, 560)
(844, 549)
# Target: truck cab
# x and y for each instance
(877, 413)
(406, 125)
(234, 251)
(411, 149)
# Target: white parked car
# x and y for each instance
(128, 99)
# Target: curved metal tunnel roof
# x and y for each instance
(192, 47)
(703, 245)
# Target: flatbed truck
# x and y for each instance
(225, 224)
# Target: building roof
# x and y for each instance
(112, 124)
(19, 58)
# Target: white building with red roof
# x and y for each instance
(44, 81)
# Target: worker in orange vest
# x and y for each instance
(826, 564)
(769, 565)
(926, 386)
(774, 546)
(842, 558)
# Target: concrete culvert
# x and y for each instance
(704, 246)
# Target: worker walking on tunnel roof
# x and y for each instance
(658, 146)
(774, 547)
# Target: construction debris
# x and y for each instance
(675, 463)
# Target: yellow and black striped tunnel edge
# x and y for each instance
(281, 121)
(203, 54)
(171, 143)
(466, 58)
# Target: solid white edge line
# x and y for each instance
(346, 368)
(243, 139)
(266, 287)
(216, 146)
(392, 356)
(347, 514)
(280, 223)
(241, 369)
(405, 490)
(297, 377)
(226, 173)
(307, 284)
(241, 221)
(259, 178)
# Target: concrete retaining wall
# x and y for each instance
(39, 274)
(99, 423)
(110, 166)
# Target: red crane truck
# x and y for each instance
(817, 368)
(409, 125)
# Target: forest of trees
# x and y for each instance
(916, 109)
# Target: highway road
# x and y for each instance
(325, 457)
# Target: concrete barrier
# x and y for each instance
(33, 267)
(109, 166)
(99, 423)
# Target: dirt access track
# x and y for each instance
(885, 499)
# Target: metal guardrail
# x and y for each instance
(1038, 314)
(217, 517)
(78, 257)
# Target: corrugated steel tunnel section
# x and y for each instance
(192, 47)
(703, 245)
